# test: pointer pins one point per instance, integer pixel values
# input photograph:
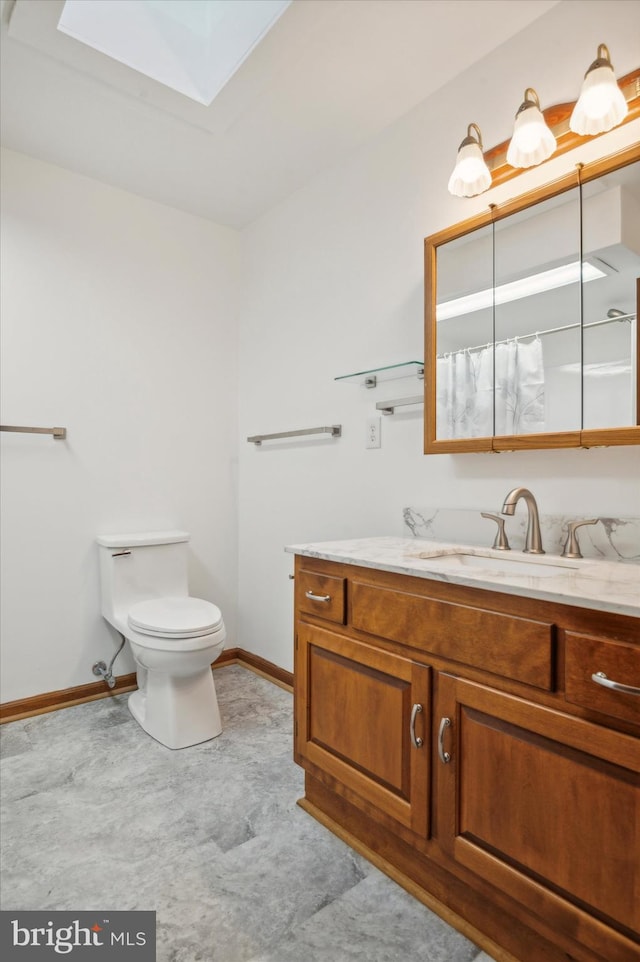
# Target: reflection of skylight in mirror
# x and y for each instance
(192, 46)
(524, 287)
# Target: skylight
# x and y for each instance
(192, 46)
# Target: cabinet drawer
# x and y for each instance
(321, 595)
(516, 648)
(587, 655)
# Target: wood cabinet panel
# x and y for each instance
(584, 656)
(552, 820)
(535, 818)
(368, 696)
(516, 648)
(321, 595)
(356, 725)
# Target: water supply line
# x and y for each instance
(100, 667)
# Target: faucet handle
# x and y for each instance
(571, 546)
(501, 542)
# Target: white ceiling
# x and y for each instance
(329, 76)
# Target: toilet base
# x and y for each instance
(177, 711)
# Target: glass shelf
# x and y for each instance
(391, 372)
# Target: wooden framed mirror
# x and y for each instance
(531, 318)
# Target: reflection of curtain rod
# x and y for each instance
(551, 330)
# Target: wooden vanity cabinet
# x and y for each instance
(509, 800)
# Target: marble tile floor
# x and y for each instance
(96, 815)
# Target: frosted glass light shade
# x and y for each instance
(601, 104)
(532, 141)
(470, 175)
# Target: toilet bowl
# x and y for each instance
(174, 637)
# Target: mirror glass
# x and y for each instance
(537, 318)
(611, 243)
(464, 336)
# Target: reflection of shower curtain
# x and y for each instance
(465, 394)
(519, 387)
(465, 391)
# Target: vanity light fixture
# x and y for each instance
(601, 104)
(470, 175)
(532, 141)
(604, 103)
(524, 287)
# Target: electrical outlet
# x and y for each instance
(373, 433)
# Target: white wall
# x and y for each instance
(334, 283)
(119, 323)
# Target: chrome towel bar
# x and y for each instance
(58, 433)
(335, 430)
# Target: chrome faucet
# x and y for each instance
(533, 544)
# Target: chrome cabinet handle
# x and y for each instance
(312, 597)
(416, 741)
(445, 757)
(601, 679)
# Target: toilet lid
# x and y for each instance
(175, 617)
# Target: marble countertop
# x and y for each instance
(602, 585)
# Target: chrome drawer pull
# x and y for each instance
(416, 741)
(312, 597)
(445, 757)
(601, 679)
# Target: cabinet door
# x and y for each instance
(546, 807)
(355, 717)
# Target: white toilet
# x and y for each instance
(174, 638)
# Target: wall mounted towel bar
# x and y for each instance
(58, 433)
(335, 430)
(389, 407)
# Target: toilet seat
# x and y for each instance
(175, 618)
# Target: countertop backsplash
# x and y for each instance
(612, 539)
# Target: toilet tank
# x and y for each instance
(138, 567)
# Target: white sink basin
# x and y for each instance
(506, 566)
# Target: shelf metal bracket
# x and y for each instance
(389, 407)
